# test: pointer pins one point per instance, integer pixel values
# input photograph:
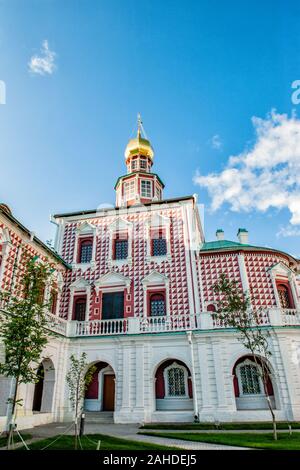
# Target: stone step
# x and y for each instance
(99, 417)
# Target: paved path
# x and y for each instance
(124, 431)
(216, 431)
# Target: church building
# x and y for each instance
(134, 290)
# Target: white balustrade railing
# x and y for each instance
(101, 327)
(290, 316)
(167, 323)
(56, 324)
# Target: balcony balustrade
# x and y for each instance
(165, 324)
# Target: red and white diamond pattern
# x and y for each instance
(175, 269)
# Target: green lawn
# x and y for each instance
(258, 441)
(222, 426)
(89, 442)
(3, 439)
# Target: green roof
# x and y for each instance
(219, 244)
(224, 245)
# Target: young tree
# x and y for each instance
(234, 310)
(78, 379)
(23, 331)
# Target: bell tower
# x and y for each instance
(139, 185)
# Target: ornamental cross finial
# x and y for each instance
(140, 124)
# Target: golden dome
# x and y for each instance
(139, 145)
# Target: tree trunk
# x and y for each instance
(12, 420)
(76, 434)
(273, 418)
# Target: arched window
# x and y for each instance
(85, 251)
(157, 305)
(176, 384)
(250, 382)
(211, 308)
(80, 308)
(284, 296)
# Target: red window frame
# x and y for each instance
(81, 242)
(286, 285)
(78, 298)
(156, 292)
(119, 236)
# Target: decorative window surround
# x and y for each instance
(278, 271)
(157, 222)
(78, 287)
(5, 241)
(240, 382)
(112, 282)
(155, 281)
(255, 401)
(119, 226)
(175, 365)
(57, 279)
(85, 230)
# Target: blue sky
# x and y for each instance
(197, 71)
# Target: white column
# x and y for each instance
(139, 372)
(126, 392)
(194, 385)
(206, 392)
(294, 292)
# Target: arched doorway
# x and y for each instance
(44, 388)
(249, 388)
(100, 394)
(38, 390)
(173, 386)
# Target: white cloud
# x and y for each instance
(216, 142)
(288, 231)
(265, 176)
(45, 62)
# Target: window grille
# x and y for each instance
(129, 190)
(284, 296)
(250, 379)
(80, 307)
(121, 249)
(157, 306)
(159, 246)
(86, 250)
(143, 164)
(146, 188)
(176, 382)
